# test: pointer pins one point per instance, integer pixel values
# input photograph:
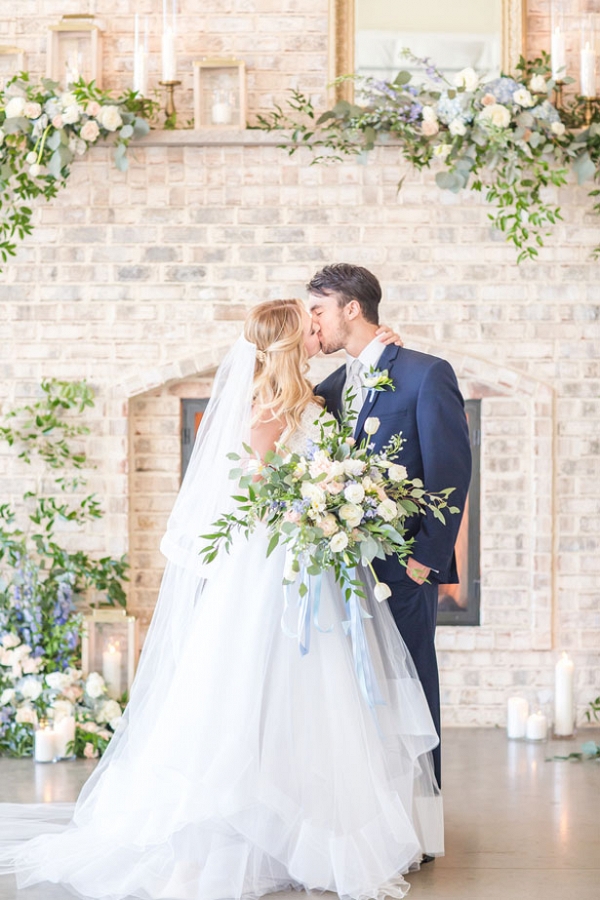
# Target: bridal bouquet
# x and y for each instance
(338, 505)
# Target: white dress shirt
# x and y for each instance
(369, 356)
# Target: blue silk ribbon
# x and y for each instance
(363, 663)
(309, 605)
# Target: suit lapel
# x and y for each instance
(385, 362)
(333, 397)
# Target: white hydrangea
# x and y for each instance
(58, 681)
(30, 687)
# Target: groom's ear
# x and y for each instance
(352, 310)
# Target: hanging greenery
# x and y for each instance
(43, 129)
(503, 137)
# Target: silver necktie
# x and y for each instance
(354, 382)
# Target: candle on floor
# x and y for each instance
(111, 670)
(564, 707)
(44, 744)
(516, 720)
(537, 727)
(64, 731)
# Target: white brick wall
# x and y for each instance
(138, 282)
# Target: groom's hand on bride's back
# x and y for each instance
(387, 336)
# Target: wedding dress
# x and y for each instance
(243, 767)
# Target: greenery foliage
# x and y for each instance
(505, 138)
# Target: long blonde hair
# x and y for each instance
(281, 387)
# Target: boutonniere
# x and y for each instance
(377, 380)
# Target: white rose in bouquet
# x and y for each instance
(538, 85)
(558, 129)
(30, 687)
(523, 98)
(110, 118)
(334, 487)
(339, 542)
(7, 696)
(31, 665)
(354, 493)
(108, 710)
(114, 723)
(15, 108)
(10, 640)
(457, 128)
(21, 652)
(387, 510)
(61, 709)
(71, 114)
(32, 110)
(354, 467)
(58, 681)
(397, 472)
(94, 686)
(328, 525)
(351, 514)
(26, 715)
(496, 115)
(467, 79)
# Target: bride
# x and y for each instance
(242, 767)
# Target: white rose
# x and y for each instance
(67, 99)
(15, 108)
(32, 110)
(429, 114)
(496, 115)
(10, 640)
(110, 118)
(62, 708)
(351, 514)
(312, 492)
(336, 469)
(523, 98)
(7, 696)
(467, 79)
(30, 687)
(387, 510)
(35, 170)
(71, 115)
(538, 85)
(90, 131)
(396, 472)
(354, 493)
(457, 128)
(339, 542)
(442, 150)
(430, 128)
(26, 715)
(21, 652)
(381, 591)
(108, 710)
(558, 129)
(114, 723)
(371, 425)
(94, 686)
(354, 467)
(58, 681)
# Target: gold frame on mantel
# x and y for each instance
(341, 41)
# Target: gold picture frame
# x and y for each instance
(341, 41)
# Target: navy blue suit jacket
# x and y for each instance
(428, 409)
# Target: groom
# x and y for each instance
(427, 407)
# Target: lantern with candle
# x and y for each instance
(44, 743)
(219, 93)
(109, 644)
(74, 51)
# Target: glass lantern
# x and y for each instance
(12, 61)
(109, 645)
(74, 51)
(219, 94)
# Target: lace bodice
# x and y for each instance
(309, 429)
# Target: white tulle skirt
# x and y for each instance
(243, 767)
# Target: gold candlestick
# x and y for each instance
(170, 111)
(590, 103)
(558, 93)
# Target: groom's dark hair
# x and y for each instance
(351, 283)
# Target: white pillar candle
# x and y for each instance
(537, 727)
(564, 707)
(140, 61)
(111, 671)
(44, 745)
(64, 731)
(169, 64)
(516, 720)
(588, 71)
(558, 54)
(221, 113)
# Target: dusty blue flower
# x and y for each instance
(502, 89)
(545, 112)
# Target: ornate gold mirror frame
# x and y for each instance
(341, 41)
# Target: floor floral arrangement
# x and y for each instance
(504, 137)
(43, 582)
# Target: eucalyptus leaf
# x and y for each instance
(584, 168)
(402, 78)
(126, 132)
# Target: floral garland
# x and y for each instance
(43, 129)
(504, 137)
